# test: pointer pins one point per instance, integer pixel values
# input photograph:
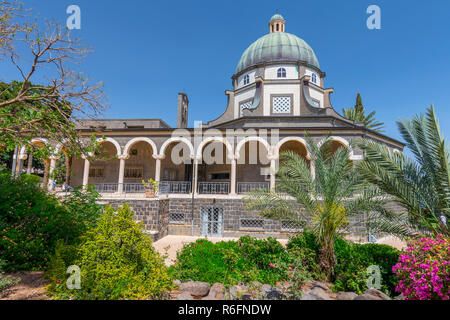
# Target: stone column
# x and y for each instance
(313, 170)
(158, 168)
(20, 160)
(273, 171)
(233, 177)
(86, 173)
(14, 162)
(51, 179)
(195, 178)
(30, 163)
(121, 173)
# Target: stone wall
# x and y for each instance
(174, 216)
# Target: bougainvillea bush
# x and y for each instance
(424, 270)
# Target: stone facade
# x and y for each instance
(173, 216)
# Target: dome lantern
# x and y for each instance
(277, 23)
(277, 46)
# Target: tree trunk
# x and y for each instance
(68, 168)
(327, 260)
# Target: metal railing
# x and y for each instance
(106, 187)
(179, 187)
(245, 187)
(213, 188)
(133, 188)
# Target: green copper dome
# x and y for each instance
(277, 47)
(277, 17)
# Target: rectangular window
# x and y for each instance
(245, 106)
(169, 175)
(176, 217)
(96, 172)
(316, 102)
(290, 226)
(212, 220)
(281, 105)
(134, 173)
(251, 224)
(220, 176)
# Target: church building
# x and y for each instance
(277, 97)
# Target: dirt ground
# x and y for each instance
(30, 287)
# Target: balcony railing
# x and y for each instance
(213, 188)
(178, 187)
(245, 187)
(133, 188)
(106, 187)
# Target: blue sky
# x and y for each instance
(148, 51)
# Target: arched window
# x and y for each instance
(246, 79)
(281, 73)
(314, 78)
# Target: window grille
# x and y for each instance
(212, 220)
(176, 217)
(290, 226)
(281, 104)
(134, 173)
(251, 224)
(96, 172)
(245, 105)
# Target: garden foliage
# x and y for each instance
(245, 260)
(267, 261)
(116, 259)
(32, 221)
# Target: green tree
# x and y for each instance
(323, 204)
(420, 185)
(47, 106)
(357, 114)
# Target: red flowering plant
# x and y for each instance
(424, 270)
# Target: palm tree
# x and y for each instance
(421, 185)
(357, 114)
(323, 203)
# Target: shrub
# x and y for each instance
(424, 270)
(32, 221)
(304, 248)
(117, 261)
(31, 178)
(353, 259)
(245, 260)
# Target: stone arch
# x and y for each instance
(253, 159)
(133, 141)
(114, 142)
(215, 139)
(173, 140)
(289, 139)
(344, 142)
(33, 141)
(252, 138)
